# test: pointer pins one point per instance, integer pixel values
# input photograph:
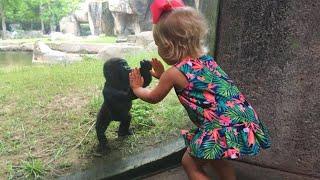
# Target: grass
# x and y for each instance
(48, 114)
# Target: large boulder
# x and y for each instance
(144, 38)
(119, 50)
(142, 10)
(81, 14)
(70, 25)
(95, 17)
(43, 54)
(126, 21)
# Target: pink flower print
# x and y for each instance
(193, 106)
(190, 86)
(214, 64)
(223, 142)
(199, 141)
(235, 132)
(217, 73)
(193, 100)
(209, 115)
(197, 66)
(215, 134)
(209, 97)
(230, 104)
(251, 139)
(184, 132)
(241, 108)
(231, 153)
(224, 120)
(190, 76)
(211, 86)
(241, 98)
(189, 63)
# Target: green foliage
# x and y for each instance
(32, 11)
(33, 168)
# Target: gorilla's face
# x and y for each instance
(116, 72)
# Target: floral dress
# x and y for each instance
(227, 125)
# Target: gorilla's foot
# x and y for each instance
(125, 133)
(102, 149)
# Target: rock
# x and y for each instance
(118, 50)
(16, 47)
(144, 38)
(152, 47)
(80, 48)
(81, 14)
(70, 25)
(43, 54)
(95, 17)
(126, 21)
(107, 22)
(142, 10)
(58, 36)
(120, 6)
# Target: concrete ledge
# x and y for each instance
(115, 167)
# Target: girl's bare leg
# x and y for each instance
(193, 168)
(223, 169)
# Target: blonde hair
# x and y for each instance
(180, 33)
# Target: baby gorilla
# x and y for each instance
(118, 98)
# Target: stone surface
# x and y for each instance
(16, 46)
(43, 54)
(81, 14)
(95, 17)
(119, 50)
(120, 6)
(272, 51)
(114, 164)
(107, 22)
(244, 171)
(142, 9)
(144, 38)
(70, 25)
(80, 48)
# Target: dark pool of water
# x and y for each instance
(13, 58)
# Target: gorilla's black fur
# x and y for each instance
(118, 97)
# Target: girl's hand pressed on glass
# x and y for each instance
(136, 80)
(157, 68)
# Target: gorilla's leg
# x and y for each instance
(125, 121)
(103, 120)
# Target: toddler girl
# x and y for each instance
(226, 124)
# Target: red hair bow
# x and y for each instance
(160, 6)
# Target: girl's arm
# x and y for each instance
(155, 95)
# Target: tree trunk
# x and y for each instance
(3, 20)
(42, 27)
(42, 23)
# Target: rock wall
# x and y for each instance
(110, 17)
(70, 25)
(272, 51)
